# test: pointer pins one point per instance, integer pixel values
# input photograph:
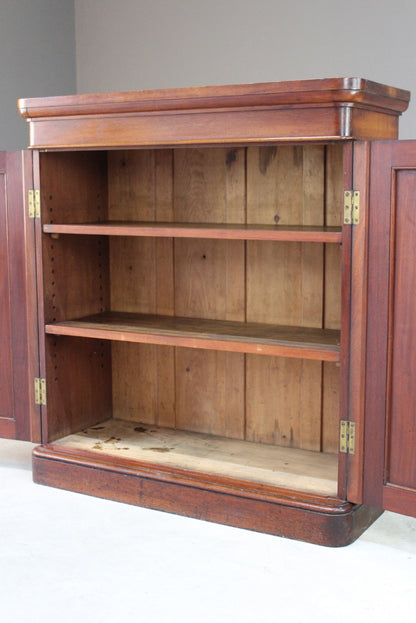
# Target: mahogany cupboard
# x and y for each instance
(208, 302)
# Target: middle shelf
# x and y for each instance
(226, 335)
(224, 231)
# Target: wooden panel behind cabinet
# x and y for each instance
(209, 186)
(285, 185)
(284, 401)
(143, 383)
(285, 285)
(141, 275)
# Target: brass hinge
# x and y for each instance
(347, 437)
(40, 391)
(34, 203)
(351, 207)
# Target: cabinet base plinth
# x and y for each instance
(314, 519)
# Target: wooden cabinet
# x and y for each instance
(206, 310)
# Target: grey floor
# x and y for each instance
(65, 557)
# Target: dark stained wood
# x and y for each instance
(73, 278)
(358, 321)
(19, 417)
(390, 435)
(345, 320)
(214, 290)
(330, 90)
(296, 515)
(74, 186)
(330, 109)
(201, 230)
(337, 168)
(306, 343)
(7, 419)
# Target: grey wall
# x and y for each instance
(37, 57)
(140, 44)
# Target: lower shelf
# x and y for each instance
(303, 470)
(226, 335)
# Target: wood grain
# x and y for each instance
(284, 402)
(210, 392)
(6, 369)
(201, 230)
(390, 425)
(301, 342)
(335, 165)
(322, 110)
(19, 416)
(141, 270)
(78, 381)
(209, 185)
(285, 286)
(299, 515)
(314, 472)
(151, 398)
(401, 423)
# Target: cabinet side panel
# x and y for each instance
(78, 384)
(75, 269)
(73, 187)
(75, 276)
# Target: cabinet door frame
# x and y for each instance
(356, 309)
(386, 252)
(24, 423)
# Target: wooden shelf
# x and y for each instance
(266, 464)
(250, 337)
(200, 230)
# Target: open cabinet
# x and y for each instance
(204, 289)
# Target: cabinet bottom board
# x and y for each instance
(265, 464)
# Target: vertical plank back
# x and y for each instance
(209, 186)
(285, 285)
(141, 269)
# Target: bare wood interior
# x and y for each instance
(293, 282)
(219, 456)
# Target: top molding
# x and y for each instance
(330, 109)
